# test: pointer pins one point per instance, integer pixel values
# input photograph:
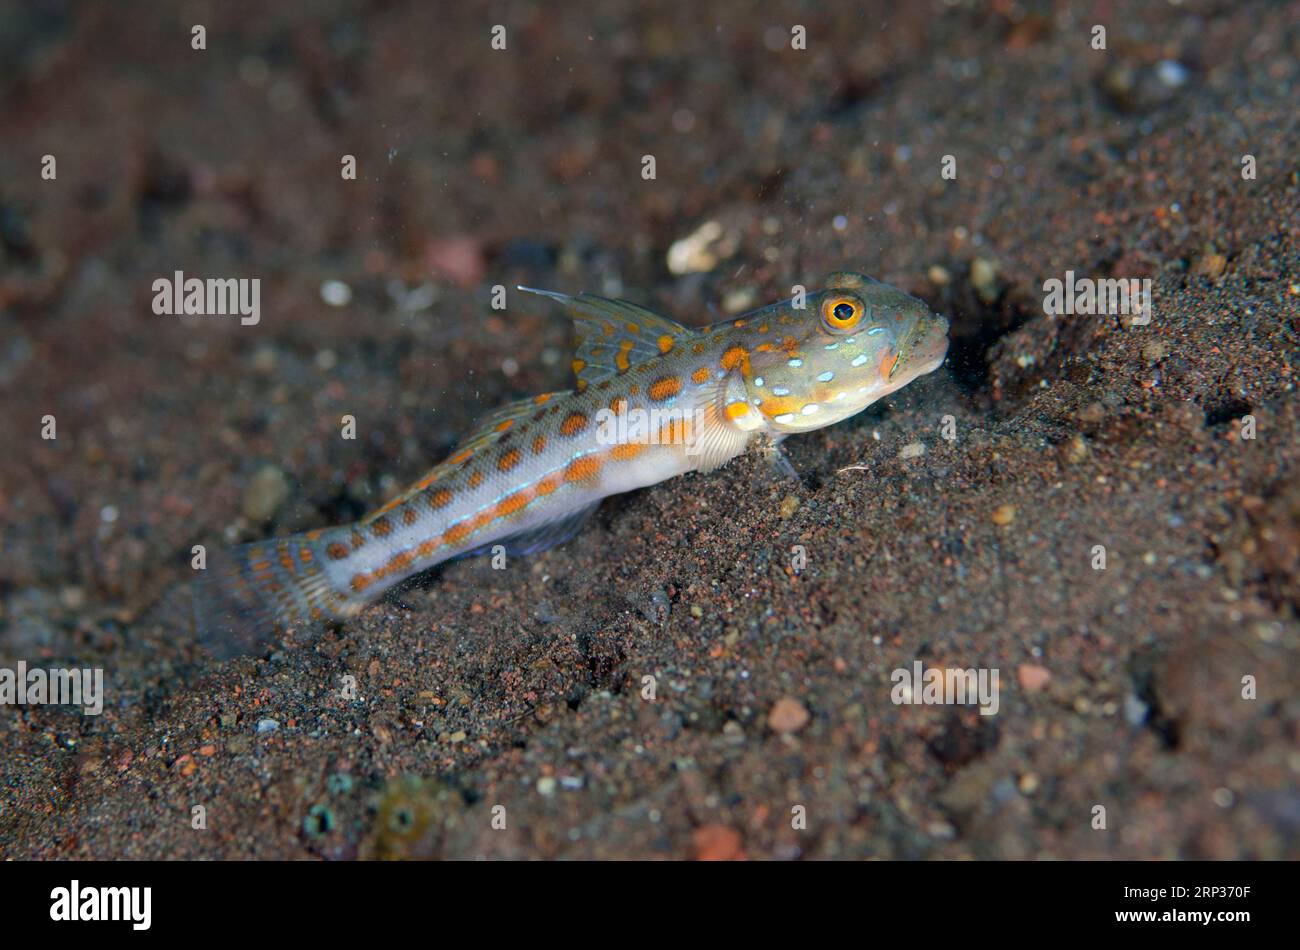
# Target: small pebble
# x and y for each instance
(1135, 710)
(265, 493)
(1210, 265)
(546, 785)
(1032, 677)
(1171, 73)
(789, 505)
(267, 725)
(264, 360)
(939, 275)
(1076, 449)
(984, 278)
(1003, 515)
(717, 843)
(788, 715)
(913, 450)
(336, 293)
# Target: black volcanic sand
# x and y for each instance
(523, 688)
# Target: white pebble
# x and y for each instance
(336, 293)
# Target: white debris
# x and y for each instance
(695, 253)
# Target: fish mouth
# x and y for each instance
(927, 347)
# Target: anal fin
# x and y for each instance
(541, 537)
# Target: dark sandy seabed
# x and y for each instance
(522, 687)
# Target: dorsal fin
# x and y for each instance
(498, 422)
(614, 335)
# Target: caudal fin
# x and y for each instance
(247, 591)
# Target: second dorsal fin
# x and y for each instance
(486, 431)
(614, 335)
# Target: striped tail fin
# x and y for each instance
(247, 591)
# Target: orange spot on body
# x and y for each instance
(259, 567)
(665, 387)
(626, 451)
(505, 424)
(539, 445)
(512, 503)
(304, 555)
(399, 563)
(573, 423)
(543, 398)
(358, 540)
(701, 375)
(337, 551)
(737, 409)
(618, 405)
(460, 457)
(666, 344)
(580, 470)
(381, 528)
(360, 582)
(459, 532)
(548, 485)
(509, 460)
(475, 479)
(409, 516)
(776, 405)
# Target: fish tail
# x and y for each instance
(246, 591)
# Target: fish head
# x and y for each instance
(853, 342)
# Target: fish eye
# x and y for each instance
(841, 313)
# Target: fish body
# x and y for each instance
(652, 399)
